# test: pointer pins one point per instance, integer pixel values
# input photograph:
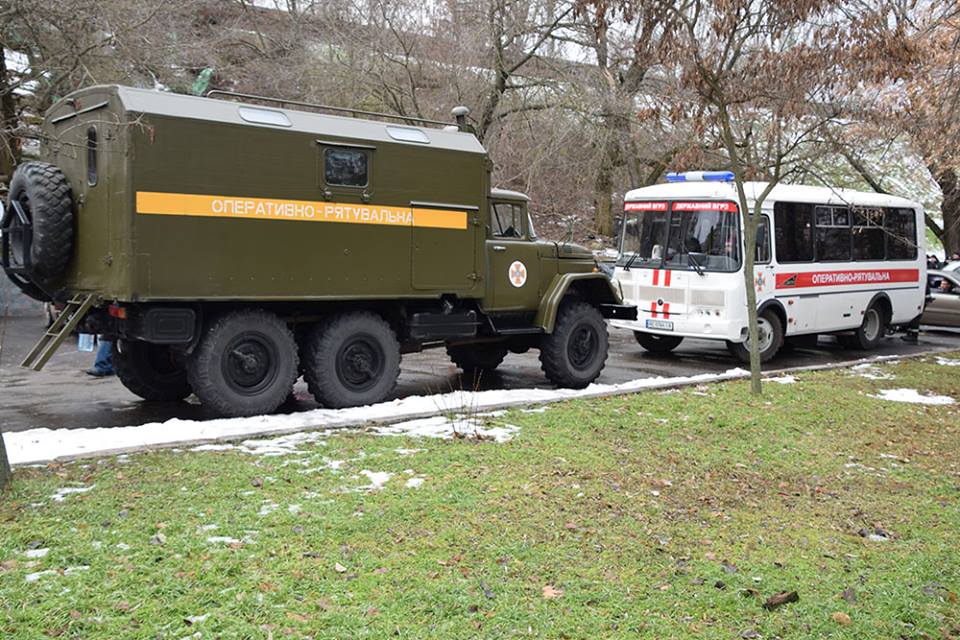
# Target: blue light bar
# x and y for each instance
(701, 176)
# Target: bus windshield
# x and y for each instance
(692, 235)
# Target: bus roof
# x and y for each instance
(781, 192)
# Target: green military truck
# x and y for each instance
(230, 247)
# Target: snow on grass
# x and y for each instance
(912, 396)
(414, 483)
(377, 479)
(62, 494)
(36, 553)
(44, 445)
(783, 380)
(947, 362)
(458, 426)
(870, 371)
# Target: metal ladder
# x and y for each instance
(65, 323)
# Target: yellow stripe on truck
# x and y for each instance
(185, 204)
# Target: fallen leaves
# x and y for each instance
(551, 592)
(841, 618)
(780, 599)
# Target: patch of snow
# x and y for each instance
(123, 546)
(783, 380)
(36, 553)
(294, 508)
(33, 577)
(407, 452)
(912, 396)
(542, 409)
(444, 427)
(377, 479)
(208, 527)
(870, 371)
(947, 362)
(223, 540)
(413, 483)
(45, 445)
(70, 570)
(62, 494)
(268, 507)
(197, 619)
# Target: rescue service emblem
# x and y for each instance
(517, 274)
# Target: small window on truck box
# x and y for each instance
(92, 156)
(346, 167)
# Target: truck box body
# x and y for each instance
(201, 199)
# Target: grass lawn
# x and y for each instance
(660, 515)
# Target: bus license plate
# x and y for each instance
(663, 325)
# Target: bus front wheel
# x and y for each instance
(771, 338)
(655, 343)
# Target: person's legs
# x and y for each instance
(103, 365)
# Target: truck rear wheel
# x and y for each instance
(150, 371)
(352, 359)
(574, 354)
(245, 364)
(656, 343)
(476, 358)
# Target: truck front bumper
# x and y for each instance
(619, 311)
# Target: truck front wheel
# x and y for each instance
(574, 354)
(151, 371)
(245, 364)
(352, 359)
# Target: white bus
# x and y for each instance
(827, 261)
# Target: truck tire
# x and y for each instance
(44, 193)
(477, 358)
(771, 339)
(870, 331)
(574, 354)
(656, 343)
(150, 371)
(352, 359)
(245, 363)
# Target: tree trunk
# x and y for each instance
(949, 209)
(9, 146)
(603, 192)
(5, 473)
(750, 224)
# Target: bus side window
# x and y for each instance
(833, 234)
(92, 156)
(763, 241)
(901, 228)
(793, 231)
(868, 234)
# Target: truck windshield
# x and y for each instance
(695, 234)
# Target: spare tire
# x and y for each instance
(44, 194)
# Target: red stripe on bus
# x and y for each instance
(653, 309)
(666, 310)
(644, 206)
(666, 278)
(704, 206)
(841, 278)
(656, 277)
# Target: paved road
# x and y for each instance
(63, 397)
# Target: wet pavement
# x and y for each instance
(63, 397)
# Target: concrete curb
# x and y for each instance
(368, 424)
